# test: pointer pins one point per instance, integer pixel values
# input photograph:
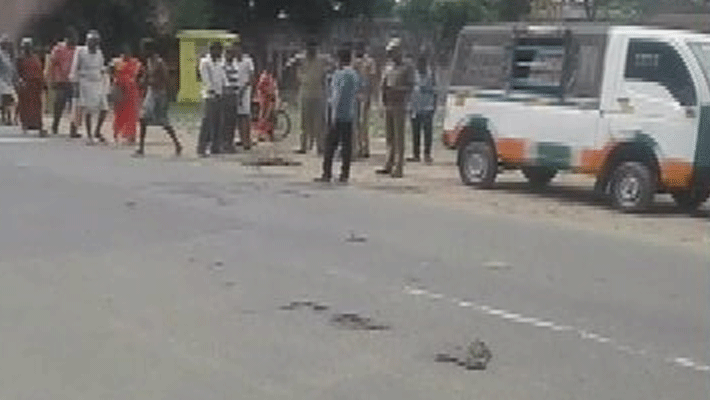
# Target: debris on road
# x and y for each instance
(353, 238)
(351, 321)
(295, 305)
(475, 357)
(354, 321)
(271, 162)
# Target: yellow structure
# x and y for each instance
(193, 45)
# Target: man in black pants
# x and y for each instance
(60, 62)
(344, 87)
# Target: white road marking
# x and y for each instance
(21, 140)
(417, 292)
(541, 323)
(544, 324)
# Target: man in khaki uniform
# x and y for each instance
(312, 77)
(367, 69)
(397, 83)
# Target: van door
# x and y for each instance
(656, 101)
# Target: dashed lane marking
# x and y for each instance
(682, 362)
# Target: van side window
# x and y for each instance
(653, 61)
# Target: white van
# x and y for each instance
(629, 105)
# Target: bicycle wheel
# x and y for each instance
(282, 127)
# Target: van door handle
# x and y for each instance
(623, 100)
(690, 112)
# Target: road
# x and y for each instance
(164, 279)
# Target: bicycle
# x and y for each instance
(279, 125)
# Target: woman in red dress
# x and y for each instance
(31, 74)
(267, 95)
(125, 80)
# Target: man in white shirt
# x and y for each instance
(245, 71)
(230, 99)
(88, 72)
(213, 82)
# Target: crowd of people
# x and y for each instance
(335, 97)
(347, 97)
(82, 82)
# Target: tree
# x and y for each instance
(193, 14)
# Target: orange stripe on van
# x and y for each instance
(592, 161)
(511, 150)
(676, 173)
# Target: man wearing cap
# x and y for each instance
(59, 68)
(312, 80)
(88, 73)
(29, 69)
(397, 83)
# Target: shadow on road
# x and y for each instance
(664, 206)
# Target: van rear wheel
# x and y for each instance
(632, 187)
(690, 200)
(539, 177)
(478, 165)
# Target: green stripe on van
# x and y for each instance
(554, 155)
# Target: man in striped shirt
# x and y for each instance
(231, 99)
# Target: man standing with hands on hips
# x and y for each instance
(397, 84)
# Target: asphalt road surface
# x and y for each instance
(164, 279)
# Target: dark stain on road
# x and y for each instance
(307, 304)
(356, 322)
(349, 321)
(353, 238)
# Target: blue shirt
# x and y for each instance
(424, 93)
(345, 84)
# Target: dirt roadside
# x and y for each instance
(569, 200)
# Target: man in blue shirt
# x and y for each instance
(423, 103)
(343, 89)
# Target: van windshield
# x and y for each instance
(702, 53)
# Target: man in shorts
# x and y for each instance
(155, 104)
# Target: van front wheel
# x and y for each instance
(478, 165)
(632, 187)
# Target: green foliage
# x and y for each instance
(193, 14)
